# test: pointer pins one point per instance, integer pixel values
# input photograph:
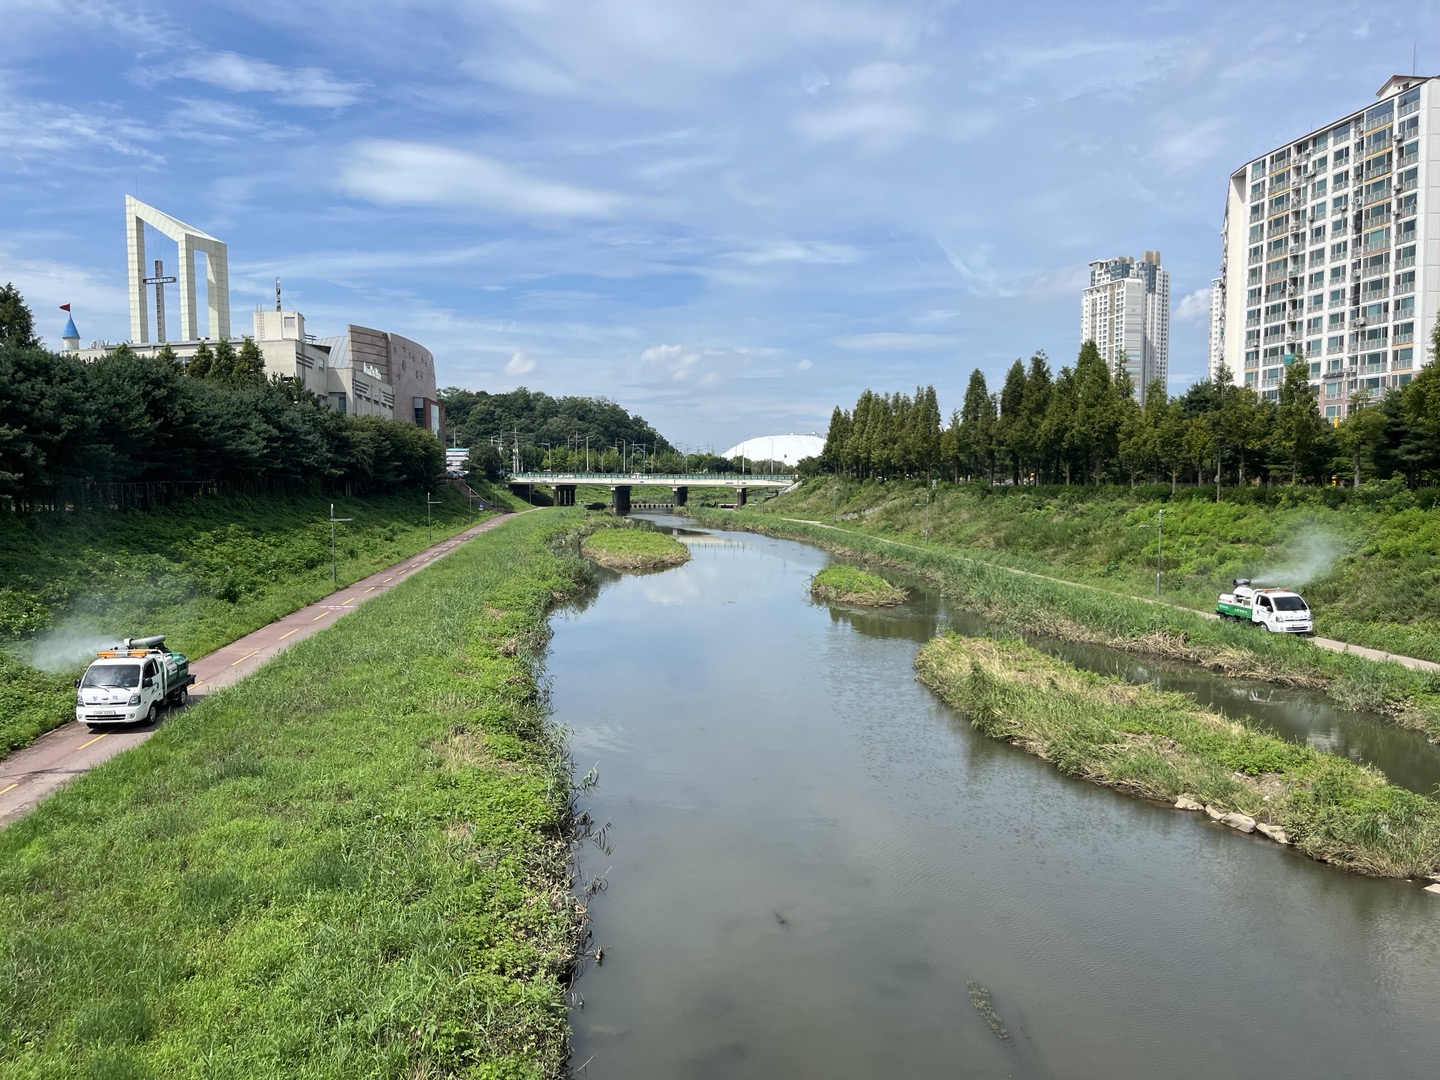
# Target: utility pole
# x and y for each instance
(333, 522)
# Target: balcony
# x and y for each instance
(1376, 245)
(1407, 109)
(1403, 339)
(1406, 185)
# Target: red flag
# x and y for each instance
(64, 307)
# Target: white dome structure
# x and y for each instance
(787, 448)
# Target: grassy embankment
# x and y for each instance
(203, 572)
(848, 585)
(1163, 745)
(1370, 555)
(634, 548)
(1025, 604)
(352, 863)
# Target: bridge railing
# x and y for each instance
(693, 479)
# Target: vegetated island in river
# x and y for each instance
(635, 549)
(848, 585)
(1162, 745)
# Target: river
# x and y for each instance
(811, 858)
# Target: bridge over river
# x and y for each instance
(564, 484)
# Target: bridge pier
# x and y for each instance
(620, 499)
(681, 496)
(564, 494)
(740, 496)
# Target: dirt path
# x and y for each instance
(29, 775)
(1324, 643)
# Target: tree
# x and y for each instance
(977, 427)
(1298, 430)
(1010, 430)
(17, 325)
(1361, 433)
(1056, 442)
(202, 364)
(249, 365)
(1095, 425)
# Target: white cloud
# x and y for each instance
(874, 124)
(423, 174)
(883, 77)
(1194, 307)
(308, 86)
(894, 342)
(519, 364)
(673, 361)
(795, 251)
(805, 365)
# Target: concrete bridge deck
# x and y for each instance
(620, 484)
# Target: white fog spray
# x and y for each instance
(1311, 555)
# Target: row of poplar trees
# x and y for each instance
(1084, 425)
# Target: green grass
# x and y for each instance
(631, 548)
(850, 585)
(1022, 603)
(352, 863)
(202, 572)
(1377, 579)
(1162, 745)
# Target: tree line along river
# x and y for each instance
(813, 864)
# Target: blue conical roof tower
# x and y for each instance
(71, 337)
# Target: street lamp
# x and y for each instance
(333, 522)
(429, 503)
(1159, 528)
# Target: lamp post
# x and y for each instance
(1159, 528)
(428, 504)
(333, 522)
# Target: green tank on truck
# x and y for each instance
(131, 683)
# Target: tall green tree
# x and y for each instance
(1010, 429)
(17, 324)
(1298, 431)
(202, 363)
(977, 427)
(1360, 435)
(1095, 423)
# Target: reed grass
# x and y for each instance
(841, 584)
(352, 863)
(1163, 745)
(624, 547)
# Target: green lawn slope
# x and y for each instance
(353, 863)
(1368, 561)
(203, 572)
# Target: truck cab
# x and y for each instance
(131, 683)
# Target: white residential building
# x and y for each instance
(1332, 251)
(1125, 310)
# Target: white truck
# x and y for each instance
(131, 683)
(1278, 610)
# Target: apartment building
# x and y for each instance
(1125, 310)
(1332, 252)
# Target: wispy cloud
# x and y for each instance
(305, 86)
(894, 341)
(818, 253)
(423, 174)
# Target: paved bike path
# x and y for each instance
(29, 775)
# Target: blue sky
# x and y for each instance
(729, 217)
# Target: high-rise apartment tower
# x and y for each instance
(1332, 252)
(1125, 310)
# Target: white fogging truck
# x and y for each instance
(1278, 610)
(131, 683)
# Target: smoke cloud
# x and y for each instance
(1312, 554)
(65, 647)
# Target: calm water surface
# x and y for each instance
(811, 857)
